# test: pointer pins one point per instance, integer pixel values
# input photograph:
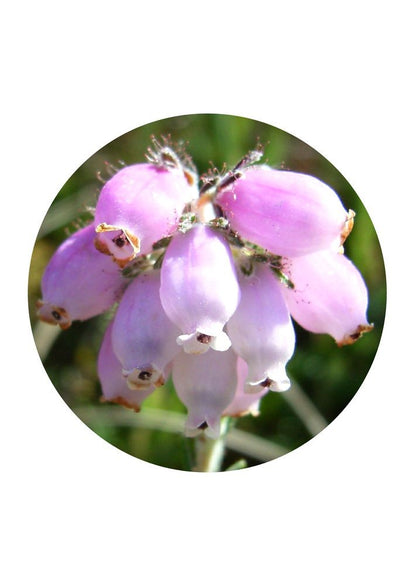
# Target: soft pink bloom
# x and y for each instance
(199, 288)
(79, 282)
(287, 213)
(144, 339)
(329, 295)
(138, 206)
(113, 383)
(206, 384)
(261, 330)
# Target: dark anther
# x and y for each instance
(120, 241)
(203, 338)
(203, 426)
(266, 383)
(145, 375)
(56, 315)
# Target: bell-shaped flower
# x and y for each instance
(144, 339)
(206, 384)
(113, 383)
(261, 330)
(78, 282)
(329, 295)
(138, 206)
(287, 213)
(199, 288)
(243, 402)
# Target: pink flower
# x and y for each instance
(287, 213)
(138, 206)
(261, 330)
(206, 384)
(144, 339)
(113, 383)
(329, 295)
(199, 288)
(79, 282)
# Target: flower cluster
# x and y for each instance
(206, 281)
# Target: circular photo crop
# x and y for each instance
(207, 293)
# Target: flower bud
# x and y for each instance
(329, 296)
(113, 383)
(261, 330)
(287, 213)
(206, 384)
(78, 282)
(199, 288)
(244, 403)
(138, 206)
(144, 339)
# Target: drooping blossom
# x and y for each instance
(138, 206)
(329, 295)
(78, 282)
(144, 339)
(206, 383)
(113, 383)
(261, 330)
(199, 288)
(287, 213)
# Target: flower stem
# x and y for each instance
(210, 452)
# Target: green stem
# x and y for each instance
(210, 452)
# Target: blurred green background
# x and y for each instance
(325, 377)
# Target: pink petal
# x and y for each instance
(199, 288)
(330, 296)
(113, 383)
(261, 330)
(206, 384)
(287, 213)
(144, 339)
(78, 282)
(138, 206)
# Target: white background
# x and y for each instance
(337, 75)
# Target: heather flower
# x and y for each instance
(261, 330)
(207, 283)
(140, 205)
(199, 288)
(78, 282)
(287, 213)
(329, 295)
(206, 384)
(144, 339)
(113, 383)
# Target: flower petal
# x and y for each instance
(144, 339)
(288, 213)
(206, 385)
(261, 330)
(138, 206)
(113, 383)
(199, 288)
(329, 296)
(79, 282)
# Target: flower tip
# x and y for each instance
(142, 378)
(199, 343)
(52, 314)
(117, 242)
(351, 338)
